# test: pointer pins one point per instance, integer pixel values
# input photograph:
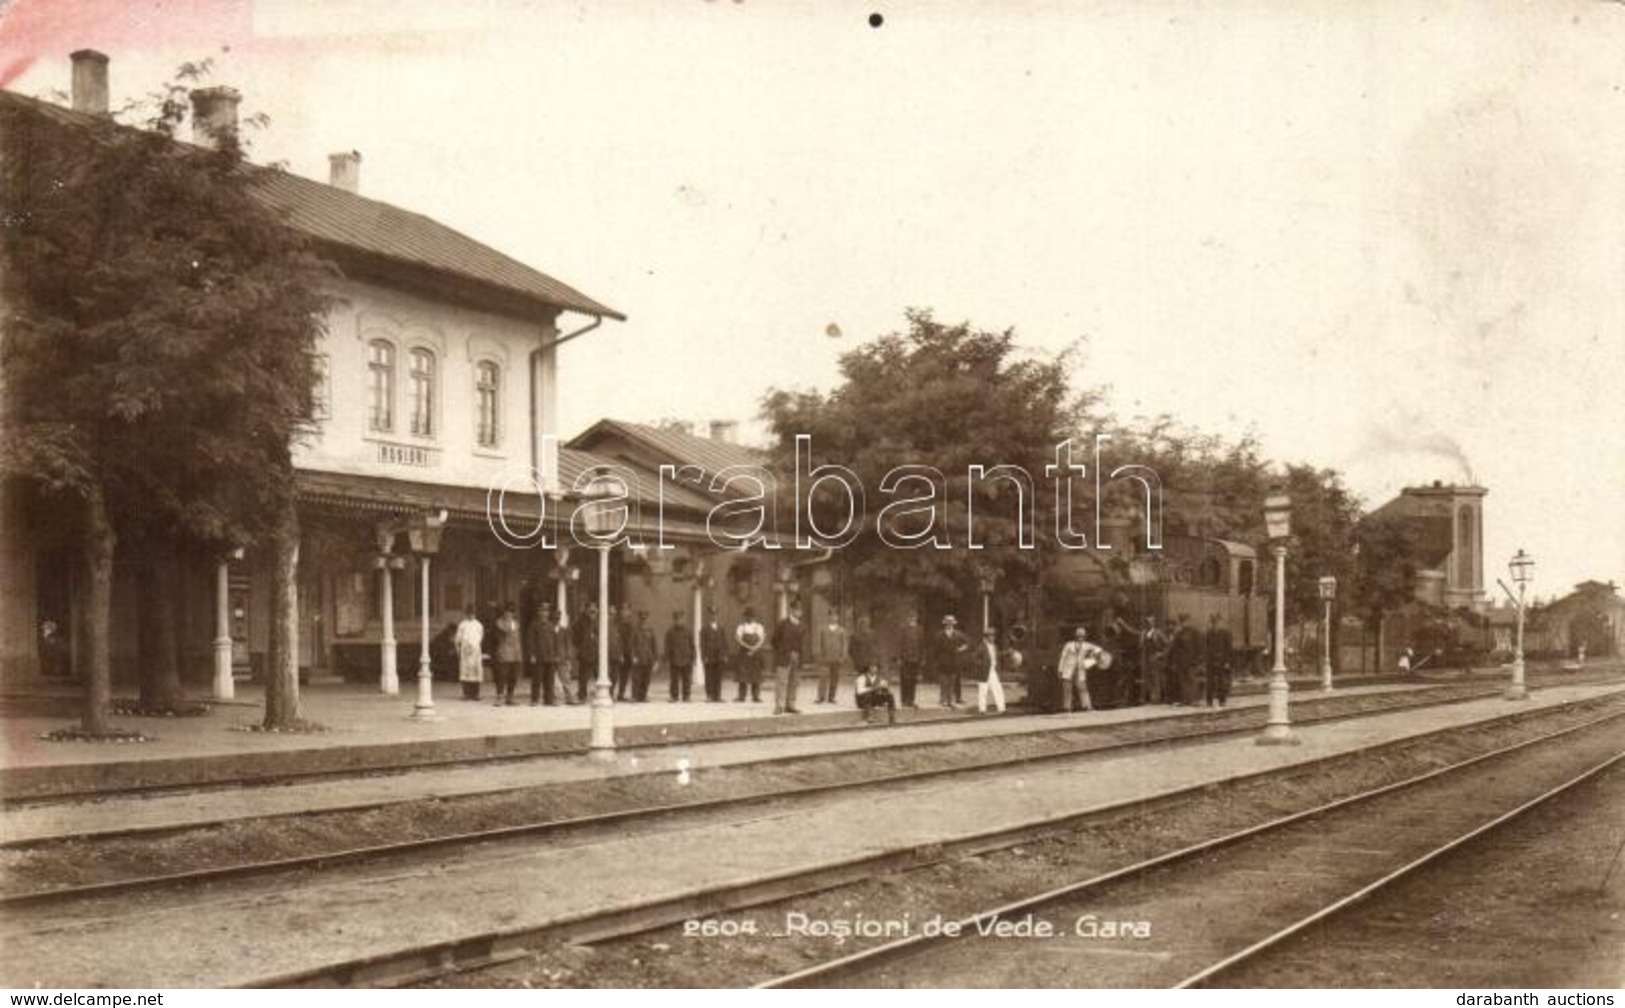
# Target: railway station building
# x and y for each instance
(439, 371)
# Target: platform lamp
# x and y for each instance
(1328, 592)
(987, 579)
(605, 486)
(1278, 526)
(1522, 568)
(424, 538)
(225, 686)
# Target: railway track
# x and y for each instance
(1068, 744)
(1205, 904)
(32, 930)
(492, 949)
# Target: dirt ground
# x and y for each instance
(750, 946)
(1539, 903)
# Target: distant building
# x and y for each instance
(1447, 522)
(1593, 615)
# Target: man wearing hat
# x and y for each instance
(951, 647)
(713, 648)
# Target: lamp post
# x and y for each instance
(1328, 592)
(225, 686)
(605, 486)
(987, 578)
(1278, 525)
(425, 540)
(1522, 568)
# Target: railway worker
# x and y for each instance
(529, 600)
(470, 664)
(751, 637)
(544, 648)
(510, 654)
(987, 665)
(789, 647)
(1154, 644)
(586, 651)
(1184, 662)
(645, 651)
(620, 650)
(910, 655)
(679, 659)
(1406, 661)
(1124, 642)
(871, 691)
(1217, 655)
(713, 651)
(951, 649)
(829, 651)
(564, 667)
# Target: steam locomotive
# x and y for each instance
(1113, 593)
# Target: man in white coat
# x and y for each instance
(470, 669)
(1078, 656)
(987, 657)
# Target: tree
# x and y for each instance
(1385, 577)
(947, 397)
(1324, 517)
(159, 354)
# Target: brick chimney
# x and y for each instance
(344, 171)
(214, 114)
(725, 431)
(89, 82)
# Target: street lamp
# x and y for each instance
(987, 579)
(1522, 568)
(604, 487)
(1328, 592)
(424, 538)
(1278, 525)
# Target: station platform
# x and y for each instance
(819, 736)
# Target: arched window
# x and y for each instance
(1244, 578)
(1466, 550)
(487, 399)
(381, 386)
(422, 392)
(1210, 574)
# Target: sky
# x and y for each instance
(1384, 238)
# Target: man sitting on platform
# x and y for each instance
(871, 693)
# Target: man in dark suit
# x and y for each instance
(1184, 661)
(713, 652)
(544, 649)
(1218, 648)
(679, 658)
(586, 631)
(620, 651)
(789, 647)
(529, 600)
(951, 649)
(644, 650)
(910, 656)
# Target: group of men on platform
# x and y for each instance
(1175, 664)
